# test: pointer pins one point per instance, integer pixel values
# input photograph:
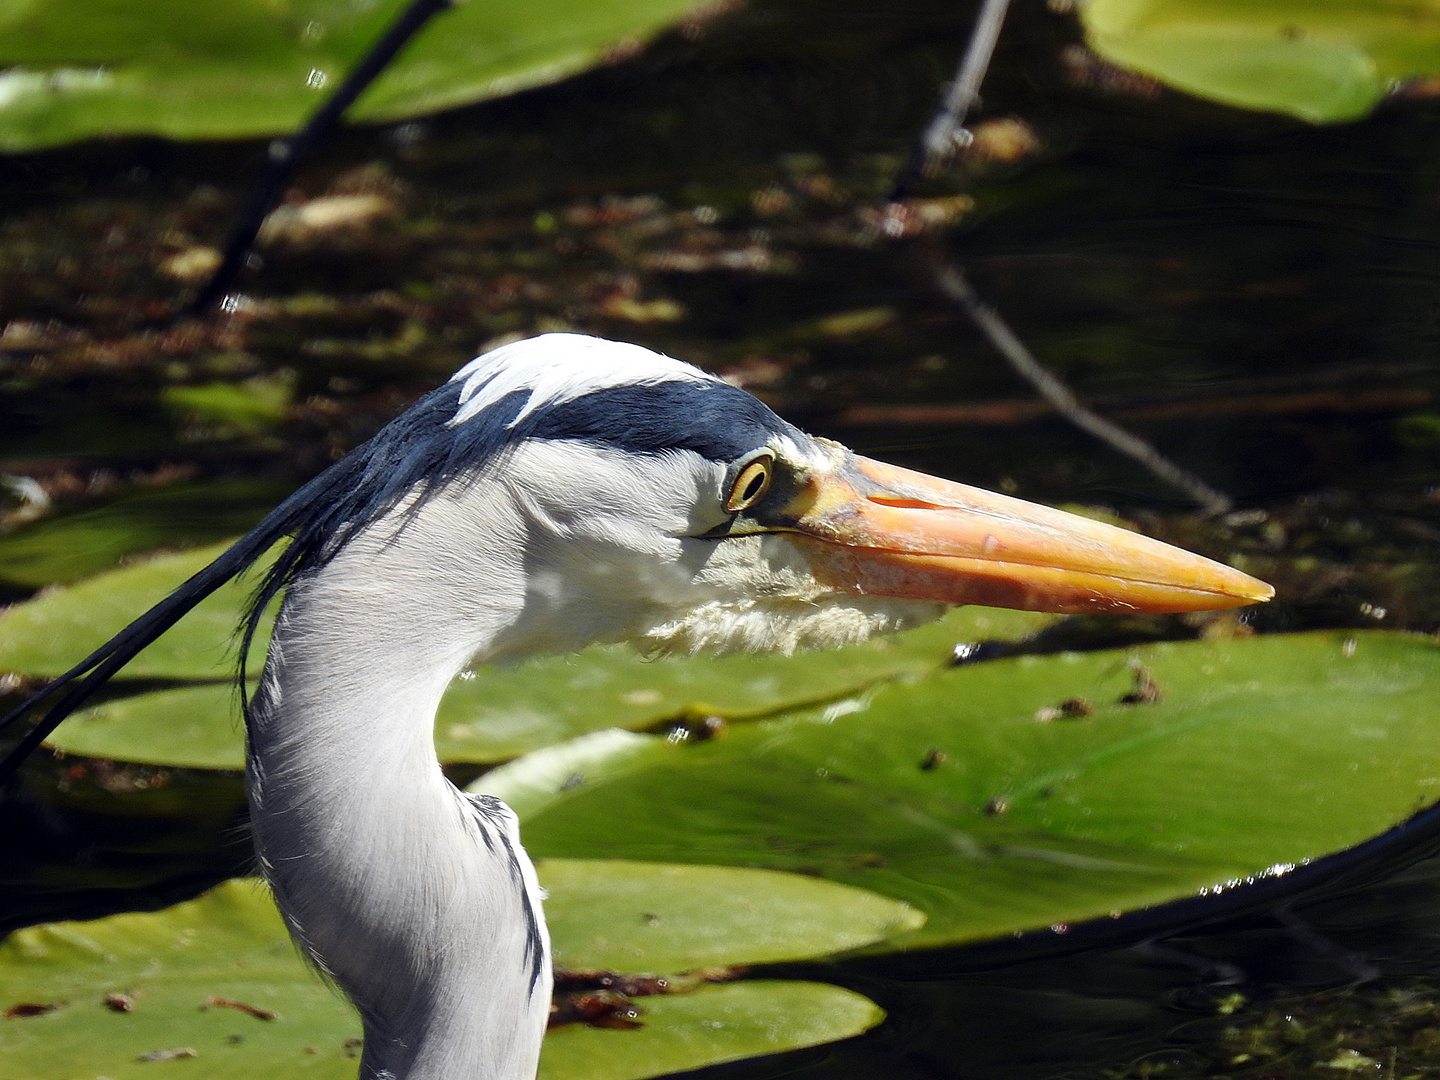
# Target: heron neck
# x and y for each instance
(417, 898)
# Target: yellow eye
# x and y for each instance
(752, 483)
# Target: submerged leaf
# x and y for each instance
(230, 946)
(971, 796)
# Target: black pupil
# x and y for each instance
(753, 487)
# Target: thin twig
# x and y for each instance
(942, 134)
(285, 154)
(952, 284)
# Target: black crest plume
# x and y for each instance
(416, 450)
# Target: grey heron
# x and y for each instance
(555, 492)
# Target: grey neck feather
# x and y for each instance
(417, 900)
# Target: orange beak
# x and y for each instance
(880, 530)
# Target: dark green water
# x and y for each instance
(1257, 297)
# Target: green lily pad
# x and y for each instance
(230, 944)
(80, 68)
(636, 916)
(1321, 62)
(497, 714)
(971, 797)
(63, 549)
(189, 727)
(46, 636)
(714, 1025)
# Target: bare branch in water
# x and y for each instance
(951, 283)
(945, 133)
(942, 136)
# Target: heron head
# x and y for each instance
(681, 512)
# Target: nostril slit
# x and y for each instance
(903, 503)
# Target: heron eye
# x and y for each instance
(752, 483)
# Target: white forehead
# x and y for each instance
(556, 368)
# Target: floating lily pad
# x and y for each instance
(80, 68)
(231, 945)
(717, 1024)
(971, 796)
(499, 714)
(189, 727)
(67, 548)
(1318, 61)
(636, 916)
(46, 636)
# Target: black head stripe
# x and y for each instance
(713, 419)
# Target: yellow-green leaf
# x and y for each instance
(1321, 61)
